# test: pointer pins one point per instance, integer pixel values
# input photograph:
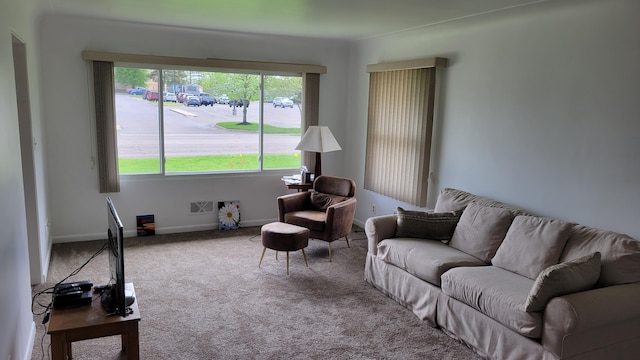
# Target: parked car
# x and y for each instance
(223, 99)
(192, 100)
(206, 99)
(239, 103)
(282, 102)
(169, 96)
(152, 95)
(137, 91)
(182, 97)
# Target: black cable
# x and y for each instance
(50, 290)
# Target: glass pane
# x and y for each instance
(282, 121)
(213, 125)
(136, 103)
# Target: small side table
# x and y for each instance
(90, 322)
(300, 187)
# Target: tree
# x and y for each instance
(131, 77)
(284, 86)
(245, 89)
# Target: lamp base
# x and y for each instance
(318, 170)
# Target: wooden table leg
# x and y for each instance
(60, 349)
(130, 339)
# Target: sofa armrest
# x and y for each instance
(340, 217)
(292, 202)
(592, 320)
(379, 228)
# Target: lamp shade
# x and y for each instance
(318, 139)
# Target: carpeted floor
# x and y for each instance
(202, 296)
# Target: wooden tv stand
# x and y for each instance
(90, 322)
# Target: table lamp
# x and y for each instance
(318, 139)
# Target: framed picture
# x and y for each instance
(308, 178)
(228, 215)
(146, 225)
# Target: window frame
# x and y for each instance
(400, 127)
(109, 178)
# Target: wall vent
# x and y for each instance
(201, 207)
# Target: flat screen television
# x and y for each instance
(114, 298)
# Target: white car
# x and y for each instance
(169, 96)
(223, 99)
(282, 102)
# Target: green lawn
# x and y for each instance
(208, 163)
(268, 129)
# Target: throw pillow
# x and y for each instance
(426, 225)
(321, 201)
(531, 245)
(561, 279)
(481, 230)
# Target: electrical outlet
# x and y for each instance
(373, 208)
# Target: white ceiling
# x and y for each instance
(338, 19)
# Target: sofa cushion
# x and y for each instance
(321, 201)
(561, 279)
(425, 259)
(531, 245)
(426, 225)
(481, 230)
(456, 200)
(312, 220)
(497, 293)
(620, 254)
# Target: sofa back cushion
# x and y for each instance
(531, 245)
(620, 254)
(481, 230)
(321, 201)
(335, 185)
(426, 225)
(455, 200)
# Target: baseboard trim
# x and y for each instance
(32, 341)
(159, 231)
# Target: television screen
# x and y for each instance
(114, 299)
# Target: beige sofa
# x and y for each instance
(509, 284)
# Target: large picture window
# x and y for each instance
(178, 121)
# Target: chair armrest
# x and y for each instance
(379, 228)
(292, 202)
(340, 218)
(596, 319)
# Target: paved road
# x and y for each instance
(193, 131)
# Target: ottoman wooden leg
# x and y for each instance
(287, 263)
(305, 258)
(262, 256)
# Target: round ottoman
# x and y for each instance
(281, 236)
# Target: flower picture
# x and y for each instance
(228, 215)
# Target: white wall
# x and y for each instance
(78, 210)
(540, 108)
(17, 329)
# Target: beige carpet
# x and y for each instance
(202, 296)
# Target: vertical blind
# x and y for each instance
(107, 150)
(399, 131)
(311, 101)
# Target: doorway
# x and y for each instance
(27, 156)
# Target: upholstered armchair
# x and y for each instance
(327, 211)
